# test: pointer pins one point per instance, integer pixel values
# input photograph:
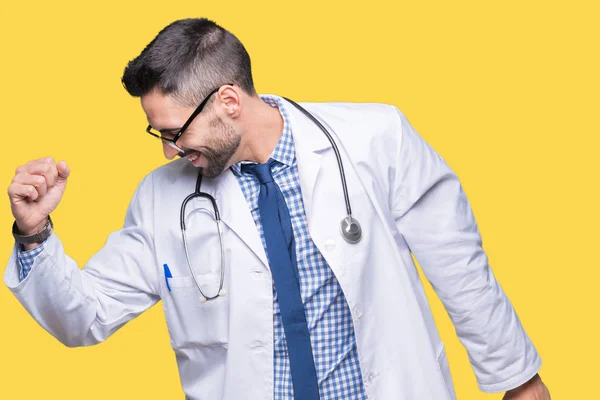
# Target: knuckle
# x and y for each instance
(52, 170)
(18, 178)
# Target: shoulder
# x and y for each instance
(366, 121)
(172, 170)
(166, 175)
(365, 129)
(354, 112)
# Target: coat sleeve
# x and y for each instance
(433, 214)
(84, 307)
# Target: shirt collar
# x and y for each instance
(284, 150)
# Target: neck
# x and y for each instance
(263, 126)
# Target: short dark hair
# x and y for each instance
(188, 59)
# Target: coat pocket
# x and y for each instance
(192, 321)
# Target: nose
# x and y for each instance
(169, 152)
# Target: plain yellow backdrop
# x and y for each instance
(507, 92)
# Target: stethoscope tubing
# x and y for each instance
(335, 149)
(349, 228)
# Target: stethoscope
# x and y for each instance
(349, 227)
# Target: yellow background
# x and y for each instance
(507, 92)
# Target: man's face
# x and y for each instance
(208, 141)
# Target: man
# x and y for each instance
(292, 305)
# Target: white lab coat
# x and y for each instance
(406, 199)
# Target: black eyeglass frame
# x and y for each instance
(173, 141)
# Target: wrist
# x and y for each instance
(35, 237)
(530, 382)
(33, 230)
(532, 386)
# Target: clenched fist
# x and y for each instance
(35, 191)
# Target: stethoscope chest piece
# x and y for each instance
(351, 230)
(349, 227)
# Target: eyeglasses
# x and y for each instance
(172, 142)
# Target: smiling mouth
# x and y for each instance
(194, 156)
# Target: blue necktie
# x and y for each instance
(279, 236)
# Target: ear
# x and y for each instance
(230, 101)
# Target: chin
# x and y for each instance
(211, 172)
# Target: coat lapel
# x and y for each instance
(310, 144)
(234, 210)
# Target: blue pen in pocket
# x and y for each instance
(167, 276)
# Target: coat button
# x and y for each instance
(329, 245)
(370, 378)
(357, 312)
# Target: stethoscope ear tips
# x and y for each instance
(350, 230)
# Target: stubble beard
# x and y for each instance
(226, 142)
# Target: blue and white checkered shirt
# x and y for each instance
(327, 312)
(26, 259)
(328, 315)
